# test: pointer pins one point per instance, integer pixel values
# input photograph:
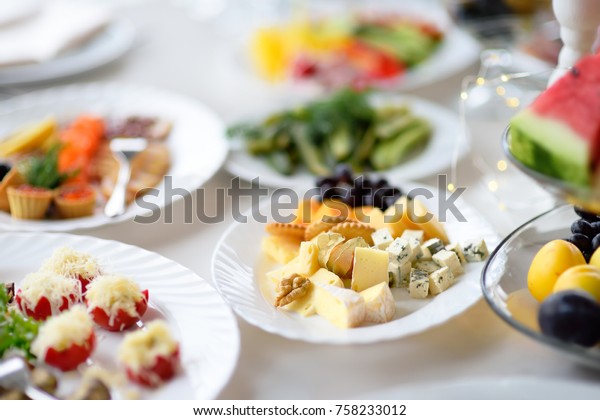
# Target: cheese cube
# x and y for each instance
(276, 275)
(427, 266)
(434, 245)
(400, 251)
(308, 259)
(280, 248)
(382, 238)
(306, 304)
(399, 274)
(449, 259)
(425, 254)
(457, 249)
(418, 235)
(475, 251)
(344, 308)
(415, 245)
(418, 287)
(379, 303)
(440, 280)
(370, 268)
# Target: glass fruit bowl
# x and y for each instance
(587, 198)
(504, 279)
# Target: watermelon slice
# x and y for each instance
(559, 134)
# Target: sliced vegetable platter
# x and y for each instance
(430, 155)
(195, 315)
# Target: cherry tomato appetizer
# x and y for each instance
(43, 308)
(72, 356)
(163, 369)
(44, 294)
(122, 320)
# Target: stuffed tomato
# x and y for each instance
(115, 303)
(150, 356)
(66, 340)
(44, 294)
(70, 263)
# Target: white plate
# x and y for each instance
(237, 265)
(203, 324)
(14, 10)
(517, 388)
(197, 144)
(108, 45)
(434, 158)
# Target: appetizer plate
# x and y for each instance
(504, 280)
(500, 388)
(105, 47)
(238, 267)
(196, 143)
(442, 149)
(197, 316)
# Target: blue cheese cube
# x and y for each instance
(457, 249)
(440, 280)
(425, 254)
(400, 251)
(399, 274)
(419, 235)
(475, 251)
(382, 238)
(427, 266)
(449, 259)
(418, 287)
(416, 248)
(434, 245)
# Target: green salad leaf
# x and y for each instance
(16, 330)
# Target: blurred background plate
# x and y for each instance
(196, 143)
(108, 45)
(437, 155)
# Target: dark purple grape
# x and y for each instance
(388, 202)
(4, 169)
(596, 242)
(573, 317)
(344, 174)
(333, 193)
(381, 183)
(583, 227)
(326, 181)
(367, 200)
(589, 216)
(581, 241)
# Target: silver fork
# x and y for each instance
(124, 149)
(14, 374)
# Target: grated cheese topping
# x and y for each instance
(52, 286)
(70, 327)
(112, 293)
(140, 349)
(71, 263)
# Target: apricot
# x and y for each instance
(582, 278)
(549, 263)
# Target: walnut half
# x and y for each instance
(291, 288)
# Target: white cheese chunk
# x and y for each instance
(400, 274)
(440, 280)
(370, 268)
(415, 245)
(344, 308)
(306, 304)
(308, 258)
(418, 287)
(400, 251)
(379, 303)
(434, 245)
(449, 259)
(425, 254)
(382, 238)
(457, 249)
(475, 251)
(418, 235)
(427, 266)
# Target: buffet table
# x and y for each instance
(199, 59)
